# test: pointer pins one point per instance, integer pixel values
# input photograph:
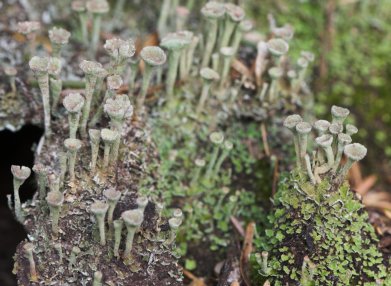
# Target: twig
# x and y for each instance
(237, 225)
(264, 139)
(246, 251)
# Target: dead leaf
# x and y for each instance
(246, 251)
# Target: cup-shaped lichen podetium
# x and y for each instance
(72, 145)
(343, 140)
(97, 278)
(234, 15)
(99, 209)
(339, 114)
(153, 57)
(325, 141)
(244, 27)
(275, 74)
(94, 141)
(93, 71)
(118, 224)
(118, 109)
(290, 122)
(108, 137)
(29, 29)
(142, 202)
(73, 103)
(213, 12)
(174, 223)
(55, 200)
(97, 8)
(20, 175)
(174, 43)
(354, 152)
(55, 82)
(217, 138)
(278, 48)
(227, 53)
(79, 6)
(59, 37)
(40, 67)
(41, 172)
(303, 129)
(132, 219)
(208, 76)
(120, 52)
(112, 197)
(29, 254)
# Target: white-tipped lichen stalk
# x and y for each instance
(79, 7)
(213, 12)
(190, 56)
(59, 37)
(343, 140)
(93, 71)
(11, 72)
(142, 203)
(112, 197)
(234, 15)
(63, 160)
(244, 27)
(227, 147)
(339, 114)
(174, 223)
(277, 48)
(55, 200)
(309, 169)
(217, 138)
(227, 53)
(72, 146)
(164, 13)
(200, 164)
(183, 58)
(73, 103)
(208, 77)
(325, 142)
(28, 252)
(118, 109)
(354, 152)
(20, 175)
(275, 74)
(54, 182)
(351, 129)
(40, 67)
(133, 66)
(30, 30)
(302, 65)
(98, 276)
(175, 44)
(153, 57)
(118, 224)
(303, 129)
(216, 61)
(264, 262)
(72, 259)
(114, 82)
(97, 8)
(133, 220)
(94, 135)
(290, 122)
(108, 137)
(55, 82)
(120, 52)
(99, 209)
(41, 173)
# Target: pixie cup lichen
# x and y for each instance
(73, 103)
(55, 200)
(20, 175)
(132, 219)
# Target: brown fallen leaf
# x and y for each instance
(241, 68)
(378, 200)
(366, 185)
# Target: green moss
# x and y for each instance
(328, 224)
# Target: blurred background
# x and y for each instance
(352, 43)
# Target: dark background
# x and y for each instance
(15, 149)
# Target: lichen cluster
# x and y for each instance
(319, 231)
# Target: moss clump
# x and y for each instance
(329, 225)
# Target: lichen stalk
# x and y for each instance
(118, 224)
